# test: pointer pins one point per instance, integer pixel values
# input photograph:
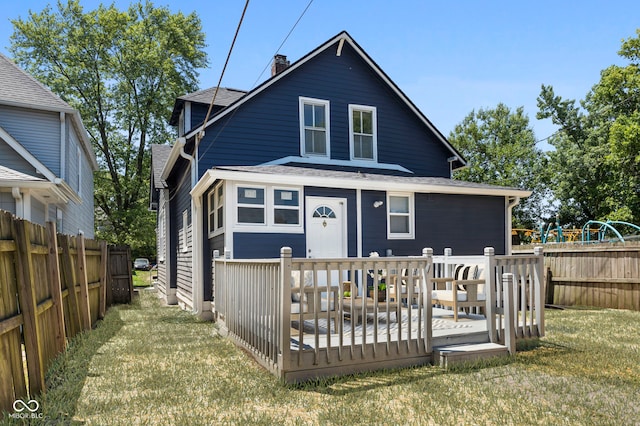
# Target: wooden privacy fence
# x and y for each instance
(52, 287)
(606, 276)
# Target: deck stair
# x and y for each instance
(446, 356)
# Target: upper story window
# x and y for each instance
(400, 216)
(362, 132)
(314, 127)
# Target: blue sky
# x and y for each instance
(449, 57)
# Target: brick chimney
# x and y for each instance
(280, 64)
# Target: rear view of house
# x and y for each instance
(328, 157)
(46, 159)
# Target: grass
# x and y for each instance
(143, 278)
(150, 364)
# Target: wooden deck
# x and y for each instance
(254, 303)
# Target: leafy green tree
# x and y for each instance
(596, 162)
(122, 70)
(500, 149)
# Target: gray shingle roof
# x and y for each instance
(7, 174)
(19, 88)
(369, 177)
(159, 156)
(225, 96)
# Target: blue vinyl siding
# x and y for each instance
(267, 126)
(466, 223)
(181, 262)
(37, 131)
(255, 245)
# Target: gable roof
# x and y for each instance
(42, 188)
(225, 97)
(339, 39)
(20, 89)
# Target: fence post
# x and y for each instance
(539, 290)
(285, 308)
(448, 267)
(81, 264)
(74, 317)
(28, 306)
(509, 313)
(426, 298)
(490, 291)
(104, 254)
(55, 284)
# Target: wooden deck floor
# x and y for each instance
(468, 329)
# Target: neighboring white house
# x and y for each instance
(46, 158)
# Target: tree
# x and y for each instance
(500, 148)
(596, 162)
(122, 71)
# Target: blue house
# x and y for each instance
(329, 157)
(46, 158)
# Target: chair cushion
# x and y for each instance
(465, 272)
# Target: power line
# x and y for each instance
(255, 83)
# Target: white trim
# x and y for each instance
(311, 201)
(343, 36)
(63, 146)
(510, 202)
(213, 206)
(359, 222)
(331, 162)
(238, 205)
(374, 129)
(411, 215)
(302, 101)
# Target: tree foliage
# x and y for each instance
(122, 70)
(596, 163)
(500, 149)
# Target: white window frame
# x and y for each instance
(215, 205)
(273, 206)
(162, 212)
(410, 214)
(183, 231)
(311, 101)
(264, 205)
(374, 129)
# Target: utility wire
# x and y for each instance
(255, 83)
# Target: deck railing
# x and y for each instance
(293, 316)
(524, 274)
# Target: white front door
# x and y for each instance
(326, 219)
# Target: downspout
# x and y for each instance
(19, 205)
(196, 228)
(511, 203)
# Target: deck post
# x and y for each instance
(490, 291)
(214, 311)
(284, 361)
(448, 266)
(539, 289)
(509, 313)
(426, 298)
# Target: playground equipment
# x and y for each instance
(602, 230)
(593, 231)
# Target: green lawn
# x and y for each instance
(150, 364)
(143, 278)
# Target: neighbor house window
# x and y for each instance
(251, 205)
(216, 209)
(400, 213)
(286, 207)
(314, 127)
(362, 132)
